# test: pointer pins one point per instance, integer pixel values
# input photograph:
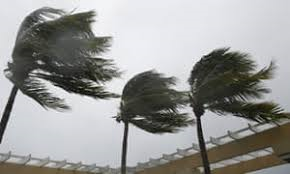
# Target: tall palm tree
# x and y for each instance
(226, 82)
(150, 103)
(61, 48)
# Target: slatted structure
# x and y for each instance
(241, 151)
(252, 148)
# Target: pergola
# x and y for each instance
(249, 149)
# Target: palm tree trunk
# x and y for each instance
(124, 148)
(202, 146)
(7, 111)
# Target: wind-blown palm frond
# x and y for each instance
(38, 16)
(259, 112)
(162, 122)
(35, 89)
(231, 86)
(61, 48)
(218, 62)
(149, 102)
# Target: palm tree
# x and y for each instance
(150, 103)
(58, 47)
(226, 82)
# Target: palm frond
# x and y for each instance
(35, 89)
(259, 112)
(231, 86)
(67, 38)
(218, 62)
(79, 86)
(36, 17)
(148, 81)
(150, 91)
(266, 73)
(98, 70)
(162, 123)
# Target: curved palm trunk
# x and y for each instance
(7, 111)
(202, 146)
(124, 148)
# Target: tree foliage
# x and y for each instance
(61, 48)
(227, 82)
(150, 103)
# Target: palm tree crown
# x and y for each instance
(61, 48)
(226, 82)
(150, 103)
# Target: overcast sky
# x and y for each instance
(166, 35)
